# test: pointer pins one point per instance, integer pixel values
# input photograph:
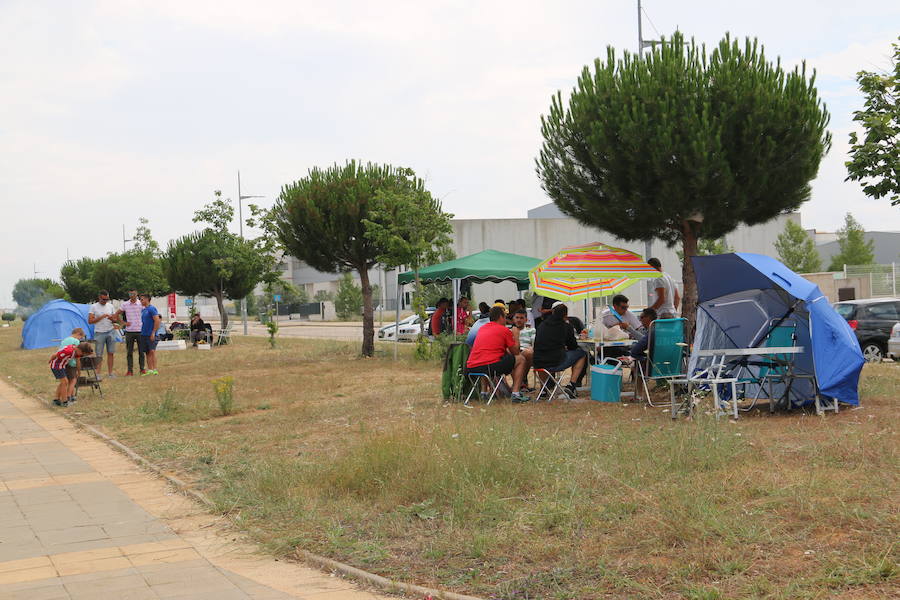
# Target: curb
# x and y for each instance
(323, 563)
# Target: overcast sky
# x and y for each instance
(113, 110)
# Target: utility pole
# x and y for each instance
(241, 230)
(124, 241)
(648, 245)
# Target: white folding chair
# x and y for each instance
(491, 380)
(551, 384)
(223, 336)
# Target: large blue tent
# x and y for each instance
(742, 295)
(53, 322)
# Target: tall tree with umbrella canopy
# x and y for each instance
(683, 145)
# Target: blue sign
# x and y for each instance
(188, 301)
(277, 297)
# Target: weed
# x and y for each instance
(224, 389)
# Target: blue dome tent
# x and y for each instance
(741, 295)
(53, 322)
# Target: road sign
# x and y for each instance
(277, 297)
(188, 301)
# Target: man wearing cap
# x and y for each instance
(556, 349)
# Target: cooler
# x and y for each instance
(606, 381)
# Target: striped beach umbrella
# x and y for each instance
(588, 271)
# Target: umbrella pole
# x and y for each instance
(455, 303)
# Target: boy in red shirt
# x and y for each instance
(496, 352)
(58, 362)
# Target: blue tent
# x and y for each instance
(741, 295)
(53, 322)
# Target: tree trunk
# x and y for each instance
(368, 345)
(689, 297)
(220, 302)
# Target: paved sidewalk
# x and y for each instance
(79, 521)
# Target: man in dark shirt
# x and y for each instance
(556, 349)
(198, 330)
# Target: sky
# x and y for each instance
(115, 110)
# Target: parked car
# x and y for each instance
(409, 329)
(872, 320)
(894, 342)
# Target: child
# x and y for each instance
(67, 376)
(73, 369)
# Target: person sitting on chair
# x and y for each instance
(198, 330)
(618, 315)
(524, 336)
(495, 352)
(638, 352)
(556, 349)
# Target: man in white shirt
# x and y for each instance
(103, 317)
(618, 315)
(663, 296)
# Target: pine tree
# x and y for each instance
(348, 301)
(797, 250)
(855, 250)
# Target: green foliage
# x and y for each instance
(343, 218)
(290, 294)
(218, 214)
(31, 294)
(797, 250)
(348, 301)
(875, 161)
(708, 247)
(143, 239)
(647, 146)
(8, 316)
(323, 296)
(78, 279)
(214, 264)
(272, 328)
(224, 390)
(433, 349)
(855, 250)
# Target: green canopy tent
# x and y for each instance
(481, 267)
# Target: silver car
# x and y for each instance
(894, 342)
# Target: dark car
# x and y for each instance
(872, 320)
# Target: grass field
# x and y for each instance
(358, 460)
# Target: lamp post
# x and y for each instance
(241, 229)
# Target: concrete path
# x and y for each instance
(79, 521)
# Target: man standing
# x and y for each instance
(149, 325)
(132, 308)
(437, 326)
(103, 317)
(663, 298)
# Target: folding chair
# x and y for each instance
(223, 336)
(89, 377)
(491, 380)
(551, 384)
(665, 356)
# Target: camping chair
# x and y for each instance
(491, 380)
(665, 356)
(551, 383)
(223, 336)
(714, 378)
(88, 376)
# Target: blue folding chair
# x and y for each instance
(665, 355)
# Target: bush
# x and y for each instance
(224, 388)
(348, 301)
(8, 316)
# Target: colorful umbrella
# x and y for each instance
(588, 271)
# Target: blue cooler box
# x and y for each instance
(606, 381)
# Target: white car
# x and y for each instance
(410, 327)
(894, 342)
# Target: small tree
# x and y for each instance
(855, 250)
(875, 161)
(349, 299)
(78, 279)
(682, 145)
(707, 247)
(31, 294)
(342, 219)
(797, 250)
(323, 296)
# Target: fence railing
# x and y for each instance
(882, 278)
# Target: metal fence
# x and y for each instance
(882, 278)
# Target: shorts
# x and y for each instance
(105, 340)
(59, 373)
(145, 345)
(71, 372)
(571, 357)
(504, 366)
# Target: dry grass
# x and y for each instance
(359, 460)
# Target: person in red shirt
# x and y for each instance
(58, 362)
(437, 326)
(496, 352)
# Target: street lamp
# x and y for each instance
(241, 229)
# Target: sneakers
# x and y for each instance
(150, 372)
(72, 400)
(519, 398)
(571, 391)
(129, 374)
(111, 375)
(143, 371)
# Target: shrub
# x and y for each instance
(8, 316)
(224, 388)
